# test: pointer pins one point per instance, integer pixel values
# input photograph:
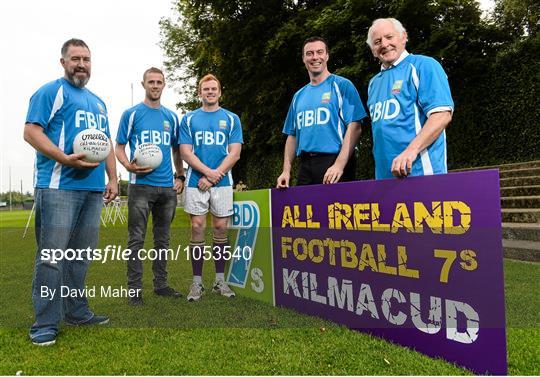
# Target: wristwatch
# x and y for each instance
(180, 177)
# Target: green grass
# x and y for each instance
(217, 335)
(14, 219)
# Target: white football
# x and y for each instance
(93, 143)
(148, 155)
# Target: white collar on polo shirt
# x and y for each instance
(403, 55)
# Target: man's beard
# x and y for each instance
(76, 81)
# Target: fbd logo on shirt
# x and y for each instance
(326, 97)
(386, 110)
(155, 137)
(222, 124)
(166, 125)
(87, 119)
(396, 88)
(209, 138)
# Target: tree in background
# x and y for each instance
(16, 197)
(254, 47)
(517, 18)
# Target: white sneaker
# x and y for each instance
(223, 289)
(195, 292)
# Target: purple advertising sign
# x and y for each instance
(417, 261)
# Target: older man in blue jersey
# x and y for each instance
(323, 123)
(210, 142)
(150, 191)
(410, 105)
(69, 193)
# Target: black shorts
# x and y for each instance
(313, 166)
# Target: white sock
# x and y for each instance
(220, 276)
(197, 279)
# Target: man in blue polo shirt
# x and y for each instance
(410, 105)
(210, 142)
(69, 193)
(323, 123)
(150, 190)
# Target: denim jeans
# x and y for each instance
(65, 219)
(161, 202)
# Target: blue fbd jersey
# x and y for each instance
(143, 124)
(210, 134)
(319, 115)
(400, 99)
(64, 110)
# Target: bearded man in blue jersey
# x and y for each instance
(150, 191)
(323, 123)
(210, 142)
(69, 193)
(410, 105)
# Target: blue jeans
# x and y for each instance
(161, 201)
(65, 219)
